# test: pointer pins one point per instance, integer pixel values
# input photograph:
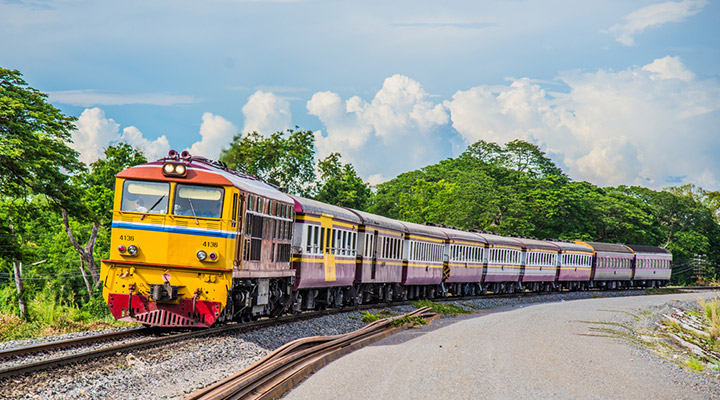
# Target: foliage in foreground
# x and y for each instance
(368, 317)
(49, 317)
(441, 308)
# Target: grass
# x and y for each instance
(47, 317)
(368, 317)
(439, 308)
(412, 321)
(695, 364)
(712, 313)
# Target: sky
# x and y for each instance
(615, 92)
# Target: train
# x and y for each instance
(195, 244)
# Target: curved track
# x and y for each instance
(272, 376)
(156, 341)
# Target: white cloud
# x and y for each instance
(654, 16)
(153, 150)
(216, 133)
(644, 125)
(669, 68)
(396, 132)
(94, 132)
(266, 113)
(90, 98)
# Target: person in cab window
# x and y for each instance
(140, 205)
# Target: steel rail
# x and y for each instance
(122, 348)
(62, 344)
(285, 367)
(60, 361)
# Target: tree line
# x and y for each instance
(55, 212)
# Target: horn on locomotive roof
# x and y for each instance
(173, 154)
(185, 155)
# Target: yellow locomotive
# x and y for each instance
(194, 243)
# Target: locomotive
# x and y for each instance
(195, 244)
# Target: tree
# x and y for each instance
(98, 188)
(34, 155)
(24, 217)
(340, 185)
(285, 159)
(527, 157)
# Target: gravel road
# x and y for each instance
(545, 351)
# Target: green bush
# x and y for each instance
(439, 308)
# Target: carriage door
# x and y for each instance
(237, 224)
(326, 223)
(374, 255)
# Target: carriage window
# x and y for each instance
(198, 201)
(309, 238)
(145, 197)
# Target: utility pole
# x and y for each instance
(17, 273)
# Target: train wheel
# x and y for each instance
(339, 298)
(297, 303)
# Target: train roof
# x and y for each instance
(202, 171)
(309, 206)
(497, 240)
(457, 234)
(647, 249)
(424, 230)
(536, 244)
(570, 246)
(600, 247)
(379, 221)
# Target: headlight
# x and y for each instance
(132, 250)
(201, 255)
(174, 169)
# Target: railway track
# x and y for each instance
(170, 338)
(56, 362)
(279, 371)
(68, 343)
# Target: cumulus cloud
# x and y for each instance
(216, 133)
(397, 131)
(645, 125)
(266, 113)
(653, 16)
(153, 150)
(94, 132)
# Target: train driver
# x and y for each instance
(140, 205)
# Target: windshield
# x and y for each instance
(140, 196)
(198, 201)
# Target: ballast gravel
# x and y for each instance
(176, 370)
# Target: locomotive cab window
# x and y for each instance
(145, 197)
(198, 201)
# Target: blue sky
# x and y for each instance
(617, 92)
